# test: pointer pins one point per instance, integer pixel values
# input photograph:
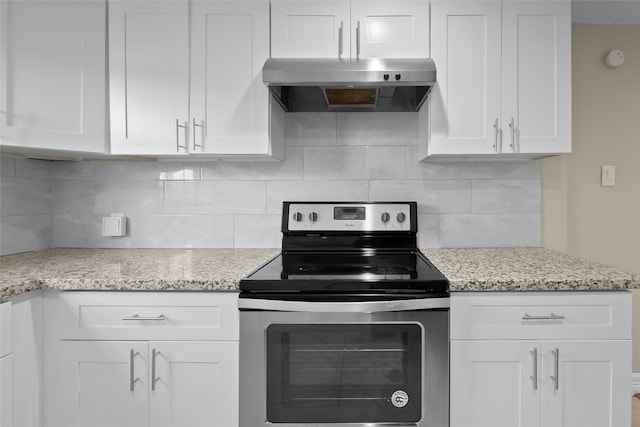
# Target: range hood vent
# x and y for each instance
(321, 85)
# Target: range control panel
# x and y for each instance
(349, 216)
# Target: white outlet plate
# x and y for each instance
(114, 225)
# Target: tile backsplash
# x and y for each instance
(209, 204)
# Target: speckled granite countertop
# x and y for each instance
(481, 269)
(128, 269)
(525, 269)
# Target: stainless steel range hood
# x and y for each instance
(317, 85)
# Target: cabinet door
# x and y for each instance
(149, 76)
(465, 102)
(493, 384)
(398, 29)
(53, 75)
(6, 391)
(593, 383)
(104, 384)
(536, 58)
(310, 29)
(195, 384)
(229, 102)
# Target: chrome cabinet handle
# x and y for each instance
(556, 364)
(138, 317)
(358, 40)
(195, 145)
(178, 126)
(534, 377)
(495, 135)
(513, 135)
(340, 32)
(551, 316)
(154, 379)
(132, 370)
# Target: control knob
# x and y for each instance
(385, 217)
(297, 217)
(313, 216)
(401, 217)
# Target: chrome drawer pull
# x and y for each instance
(552, 316)
(138, 317)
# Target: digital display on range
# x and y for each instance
(349, 213)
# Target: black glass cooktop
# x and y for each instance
(344, 272)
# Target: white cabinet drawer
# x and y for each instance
(5, 328)
(201, 316)
(541, 315)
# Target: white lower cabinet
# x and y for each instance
(129, 383)
(155, 374)
(544, 382)
(6, 366)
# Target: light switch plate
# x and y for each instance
(608, 177)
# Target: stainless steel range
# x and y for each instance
(348, 326)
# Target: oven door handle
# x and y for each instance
(343, 307)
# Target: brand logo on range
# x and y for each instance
(399, 398)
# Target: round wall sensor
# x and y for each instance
(614, 58)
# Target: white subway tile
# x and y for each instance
(310, 129)
(279, 191)
(157, 171)
(531, 170)
(103, 197)
(25, 196)
(215, 197)
(377, 128)
(24, 233)
(453, 169)
(32, 168)
(83, 231)
(182, 231)
(428, 230)
(507, 195)
(488, 230)
(258, 231)
(354, 162)
(289, 169)
(437, 196)
(7, 166)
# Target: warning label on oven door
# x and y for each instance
(399, 398)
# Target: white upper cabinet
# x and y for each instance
(342, 29)
(536, 77)
(465, 102)
(396, 29)
(53, 75)
(186, 79)
(149, 76)
(504, 78)
(310, 29)
(229, 102)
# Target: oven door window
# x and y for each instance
(344, 373)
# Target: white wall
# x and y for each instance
(329, 156)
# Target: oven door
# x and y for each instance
(344, 364)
